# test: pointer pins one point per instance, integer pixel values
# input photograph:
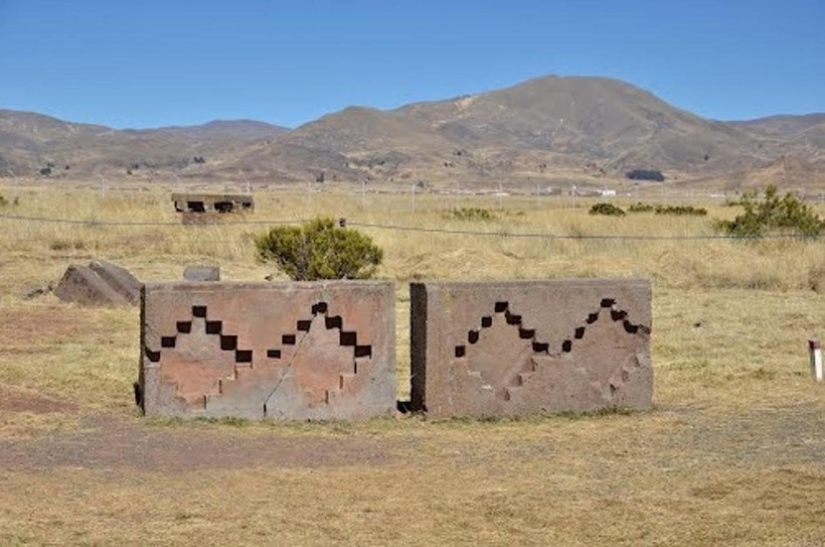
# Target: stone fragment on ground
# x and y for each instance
(99, 284)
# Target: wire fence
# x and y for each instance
(375, 226)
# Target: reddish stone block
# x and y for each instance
(202, 272)
(525, 347)
(119, 279)
(321, 350)
(84, 286)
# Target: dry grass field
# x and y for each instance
(732, 454)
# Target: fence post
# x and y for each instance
(816, 359)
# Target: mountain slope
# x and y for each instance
(550, 130)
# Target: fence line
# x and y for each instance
(499, 233)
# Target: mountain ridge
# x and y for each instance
(550, 129)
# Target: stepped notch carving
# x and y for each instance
(515, 348)
(504, 353)
(311, 350)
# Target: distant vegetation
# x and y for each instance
(320, 249)
(645, 174)
(471, 213)
(640, 207)
(773, 214)
(607, 209)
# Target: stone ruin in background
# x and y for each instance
(320, 350)
(326, 350)
(100, 283)
(208, 208)
(526, 347)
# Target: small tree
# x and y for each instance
(788, 214)
(320, 250)
(645, 174)
(606, 209)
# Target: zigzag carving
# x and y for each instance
(528, 367)
(616, 314)
(346, 338)
(227, 342)
(541, 348)
(294, 339)
(512, 319)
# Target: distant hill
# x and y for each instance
(218, 130)
(789, 173)
(31, 143)
(786, 126)
(549, 131)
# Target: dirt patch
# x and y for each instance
(112, 442)
(25, 402)
(34, 325)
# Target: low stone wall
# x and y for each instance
(213, 203)
(322, 350)
(518, 348)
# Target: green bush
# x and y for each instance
(772, 213)
(681, 210)
(319, 250)
(606, 209)
(471, 213)
(640, 207)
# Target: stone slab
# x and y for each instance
(119, 279)
(202, 272)
(83, 285)
(525, 347)
(213, 203)
(315, 350)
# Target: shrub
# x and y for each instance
(640, 207)
(772, 213)
(319, 250)
(471, 213)
(645, 174)
(681, 210)
(606, 209)
(3, 201)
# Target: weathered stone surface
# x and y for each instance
(524, 347)
(213, 203)
(202, 272)
(83, 285)
(321, 350)
(119, 279)
(33, 291)
(100, 284)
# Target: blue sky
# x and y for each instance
(150, 63)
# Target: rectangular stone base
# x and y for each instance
(322, 350)
(525, 347)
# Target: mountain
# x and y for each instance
(546, 129)
(783, 125)
(789, 173)
(550, 130)
(219, 130)
(31, 144)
